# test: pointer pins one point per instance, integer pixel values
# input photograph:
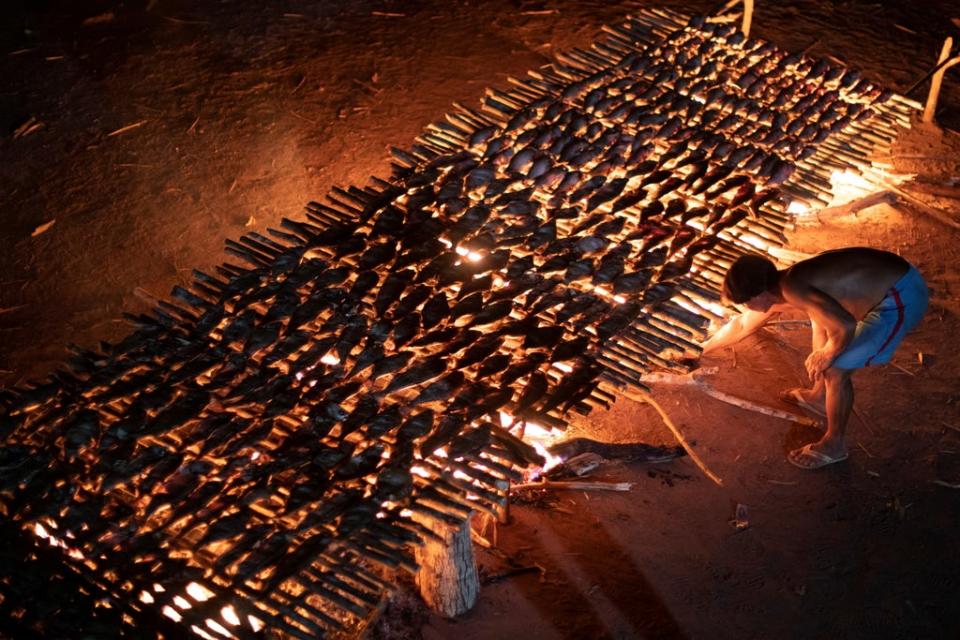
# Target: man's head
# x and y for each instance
(752, 281)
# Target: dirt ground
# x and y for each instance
(136, 137)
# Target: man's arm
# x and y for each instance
(737, 329)
(827, 313)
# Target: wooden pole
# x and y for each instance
(747, 17)
(447, 577)
(943, 63)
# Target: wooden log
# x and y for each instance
(447, 579)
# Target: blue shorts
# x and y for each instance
(881, 330)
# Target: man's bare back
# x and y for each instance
(858, 278)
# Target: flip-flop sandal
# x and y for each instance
(807, 458)
(793, 397)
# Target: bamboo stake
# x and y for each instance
(574, 485)
(945, 62)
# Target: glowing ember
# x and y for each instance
(200, 632)
(255, 623)
(146, 598)
(417, 470)
(230, 615)
(330, 358)
(405, 513)
(181, 602)
(171, 613)
(54, 541)
(219, 628)
(505, 420)
(199, 592)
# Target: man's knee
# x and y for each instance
(836, 376)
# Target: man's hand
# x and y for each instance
(818, 362)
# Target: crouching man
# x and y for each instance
(861, 302)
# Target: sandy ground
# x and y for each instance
(167, 127)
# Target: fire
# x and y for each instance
(417, 470)
(200, 632)
(41, 532)
(607, 294)
(472, 256)
(849, 185)
(703, 304)
(216, 626)
(181, 602)
(230, 615)
(171, 613)
(798, 207)
(330, 358)
(538, 437)
(255, 623)
(199, 592)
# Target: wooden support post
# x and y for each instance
(747, 17)
(503, 517)
(747, 14)
(447, 578)
(943, 63)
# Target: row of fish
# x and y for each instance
(268, 412)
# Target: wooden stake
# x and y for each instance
(944, 63)
(747, 17)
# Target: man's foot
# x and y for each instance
(804, 399)
(812, 457)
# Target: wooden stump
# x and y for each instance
(447, 578)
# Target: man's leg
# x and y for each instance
(839, 387)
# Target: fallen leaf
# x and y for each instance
(42, 228)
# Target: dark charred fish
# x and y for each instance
(426, 370)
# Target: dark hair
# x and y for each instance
(749, 276)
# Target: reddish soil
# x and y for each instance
(244, 113)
